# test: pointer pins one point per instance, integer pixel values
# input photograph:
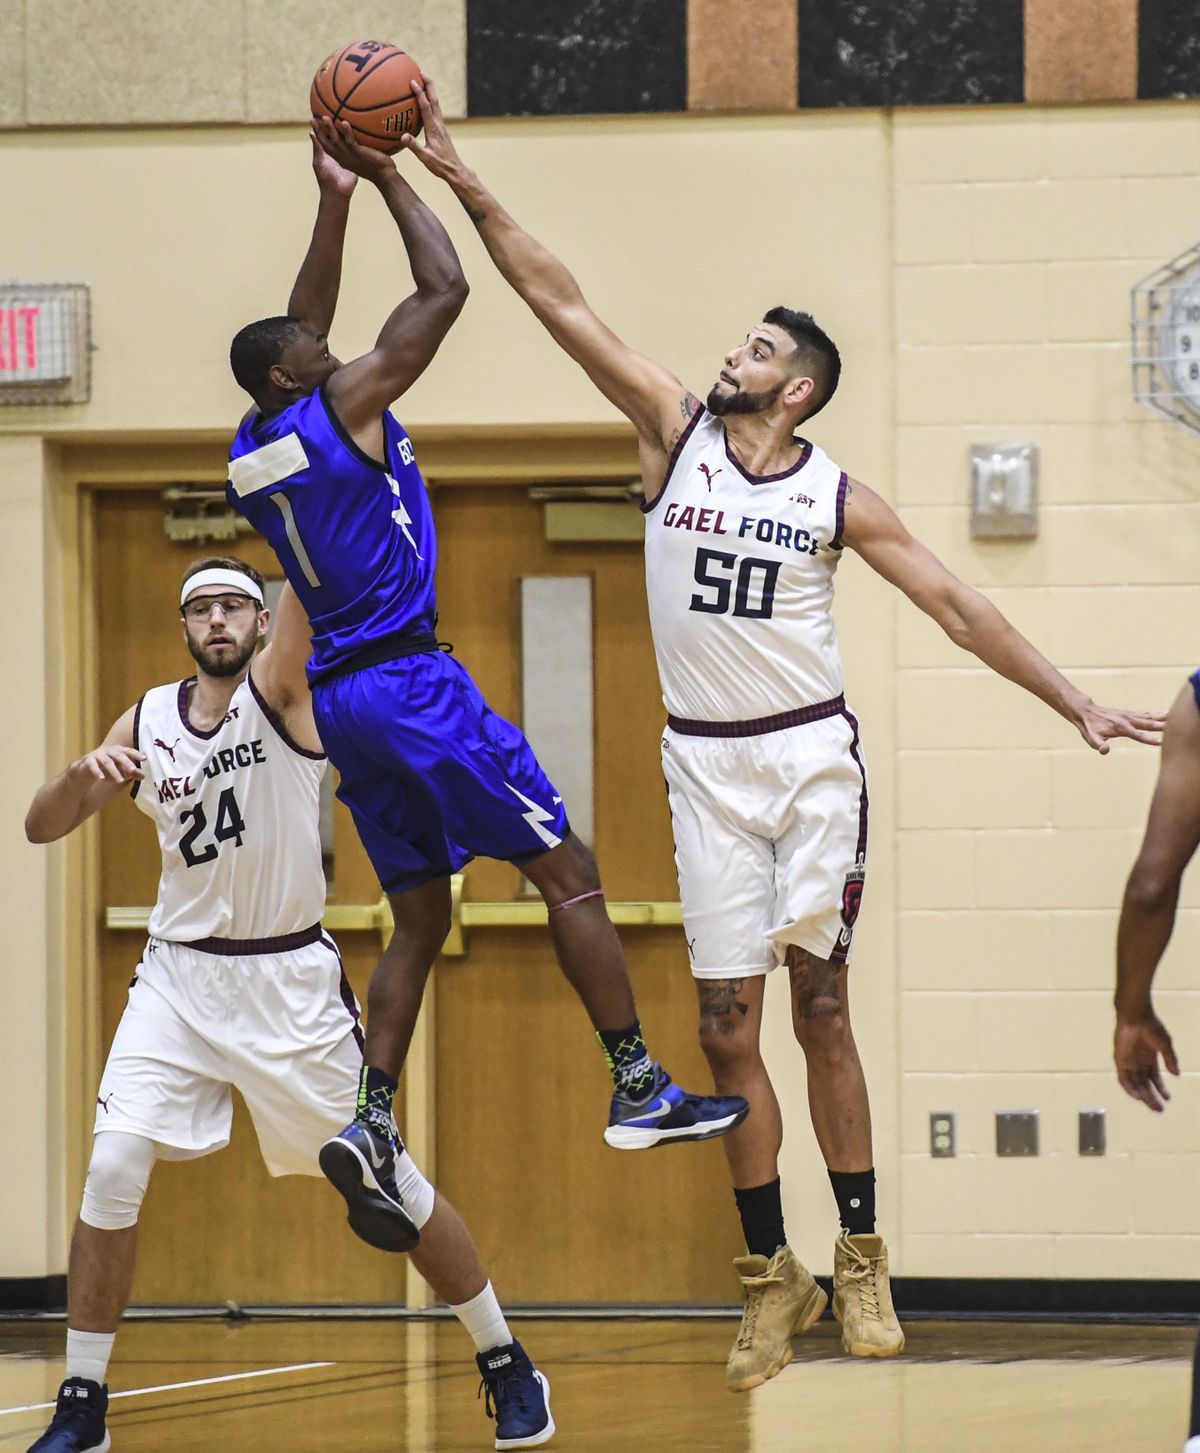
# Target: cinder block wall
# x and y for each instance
(1018, 235)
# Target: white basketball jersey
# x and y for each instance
(739, 577)
(236, 812)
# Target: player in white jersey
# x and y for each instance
(239, 987)
(745, 524)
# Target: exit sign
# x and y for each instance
(35, 342)
(44, 343)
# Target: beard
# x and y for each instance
(227, 665)
(740, 402)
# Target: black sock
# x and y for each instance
(1194, 1425)
(855, 1192)
(628, 1060)
(375, 1094)
(761, 1211)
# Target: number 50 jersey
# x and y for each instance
(237, 818)
(739, 578)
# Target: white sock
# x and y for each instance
(484, 1320)
(88, 1354)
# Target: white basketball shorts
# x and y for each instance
(281, 1028)
(770, 842)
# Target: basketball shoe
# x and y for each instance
(78, 1422)
(862, 1297)
(781, 1301)
(668, 1113)
(361, 1164)
(517, 1396)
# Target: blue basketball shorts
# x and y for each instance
(432, 775)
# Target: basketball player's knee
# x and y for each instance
(416, 1193)
(823, 1033)
(727, 1047)
(116, 1180)
(566, 871)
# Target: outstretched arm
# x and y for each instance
(971, 621)
(647, 394)
(414, 331)
(315, 292)
(60, 805)
(1148, 909)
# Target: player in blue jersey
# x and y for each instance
(432, 776)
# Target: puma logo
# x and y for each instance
(170, 751)
(103, 1103)
(709, 475)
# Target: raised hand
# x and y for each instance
(337, 141)
(332, 178)
(437, 152)
(1098, 725)
(1137, 1047)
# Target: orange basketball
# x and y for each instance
(369, 84)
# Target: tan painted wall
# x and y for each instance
(974, 268)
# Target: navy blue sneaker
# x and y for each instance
(669, 1114)
(78, 1424)
(518, 1397)
(361, 1163)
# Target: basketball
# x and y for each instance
(370, 85)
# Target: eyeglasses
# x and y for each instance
(231, 606)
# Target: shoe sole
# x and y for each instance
(865, 1349)
(373, 1218)
(626, 1137)
(810, 1315)
(538, 1438)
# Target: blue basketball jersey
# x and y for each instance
(354, 537)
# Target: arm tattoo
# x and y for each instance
(689, 404)
(474, 213)
(816, 985)
(718, 1000)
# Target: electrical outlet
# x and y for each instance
(941, 1134)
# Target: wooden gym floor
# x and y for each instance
(410, 1385)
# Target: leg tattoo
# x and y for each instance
(718, 1000)
(816, 985)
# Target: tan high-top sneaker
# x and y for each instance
(782, 1300)
(862, 1297)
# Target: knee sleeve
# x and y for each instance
(415, 1191)
(117, 1179)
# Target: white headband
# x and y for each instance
(228, 579)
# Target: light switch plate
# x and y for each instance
(1016, 1132)
(1093, 1132)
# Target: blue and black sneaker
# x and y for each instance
(361, 1164)
(668, 1114)
(78, 1424)
(518, 1397)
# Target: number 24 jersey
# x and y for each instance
(236, 810)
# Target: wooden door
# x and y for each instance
(522, 1090)
(218, 1229)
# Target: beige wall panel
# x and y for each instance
(1124, 141)
(123, 61)
(962, 789)
(965, 1255)
(199, 270)
(32, 1214)
(12, 72)
(981, 144)
(973, 305)
(287, 39)
(1086, 51)
(1096, 462)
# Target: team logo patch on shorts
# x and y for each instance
(852, 892)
